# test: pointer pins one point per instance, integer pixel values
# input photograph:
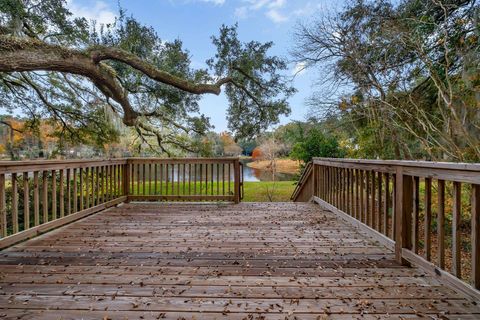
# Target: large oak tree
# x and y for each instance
(79, 74)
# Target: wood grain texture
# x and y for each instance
(216, 261)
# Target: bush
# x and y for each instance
(317, 144)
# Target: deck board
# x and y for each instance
(216, 261)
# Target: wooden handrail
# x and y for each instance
(184, 179)
(300, 187)
(36, 196)
(405, 204)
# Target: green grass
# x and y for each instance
(253, 191)
(258, 191)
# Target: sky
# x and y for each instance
(195, 21)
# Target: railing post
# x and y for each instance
(236, 180)
(403, 213)
(315, 179)
(476, 235)
(126, 179)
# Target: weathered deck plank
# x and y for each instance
(209, 261)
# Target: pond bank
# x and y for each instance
(282, 165)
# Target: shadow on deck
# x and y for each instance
(216, 261)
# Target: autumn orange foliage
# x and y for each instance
(257, 154)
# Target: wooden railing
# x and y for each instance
(36, 196)
(194, 179)
(428, 212)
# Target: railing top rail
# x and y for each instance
(38, 165)
(305, 174)
(184, 160)
(405, 163)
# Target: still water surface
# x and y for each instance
(252, 174)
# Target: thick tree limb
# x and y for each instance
(17, 55)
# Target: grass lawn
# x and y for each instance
(258, 191)
(253, 191)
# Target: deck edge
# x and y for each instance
(443, 276)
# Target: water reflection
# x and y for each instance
(252, 174)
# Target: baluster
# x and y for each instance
(166, 178)
(368, 192)
(372, 199)
(189, 179)
(173, 179)
(456, 221)
(69, 194)
(394, 210)
(115, 181)
(14, 203)
(161, 179)
(97, 177)
(476, 235)
(416, 213)
(184, 179)
(178, 179)
(81, 173)
(361, 198)
(134, 179)
(206, 179)
(104, 189)
(218, 181)
(149, 179)
(87, 188)
(36, 199)
(144, 179)
(386, 205)
(75, 191)
(441, 224)
(156, 178)
(379, 203)
(403, 215)
(357, 193)
(26, 202)
(62, 193)
(3, 207)
(45, 196)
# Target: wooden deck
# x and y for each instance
(212, 261)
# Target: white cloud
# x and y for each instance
(241, 12)
(99, 11)
(271, 9)
(215, 2)
(299, 68)
(308, 9)
(276, 16)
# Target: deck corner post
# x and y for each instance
(236, 180)
(403, 217)
(476, 236)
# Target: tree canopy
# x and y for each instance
(80, 75)
(405, 75)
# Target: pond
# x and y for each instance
(252, 174)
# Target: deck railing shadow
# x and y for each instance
(427, 212)
(36, 196)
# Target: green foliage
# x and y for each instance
(165, 114)
(247, 146)
(317, 144)
(405, 77)
(257, 93)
